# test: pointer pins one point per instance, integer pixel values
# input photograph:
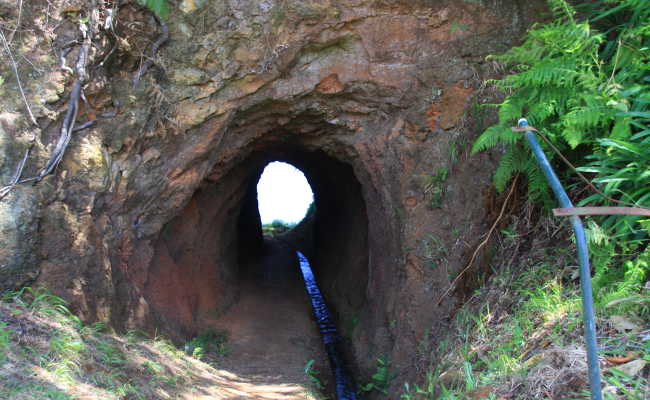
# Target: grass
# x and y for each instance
(318, 386)
(520, 336)
(4, 342)
(434, 187)
(48, 353)
(36, 391)
(66, 351)
(212, 343)
(380, 379)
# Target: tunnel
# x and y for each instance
(213, 252)
(334, 238)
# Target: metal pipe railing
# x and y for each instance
(583, 256)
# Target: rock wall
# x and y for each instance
(148, 218)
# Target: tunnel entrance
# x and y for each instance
(213, 268)
(283, 196)
(334, 236)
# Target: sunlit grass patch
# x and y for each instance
(66, 351)
(56, 356)
(521, 337)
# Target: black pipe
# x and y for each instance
(345, 388)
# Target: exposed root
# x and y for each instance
(482, 244)
(164, 36)
(71, 115)
(560, 371)
(14, 180)
(20, 13)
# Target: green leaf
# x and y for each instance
(642, 114)
(158, 7)
(621, 128)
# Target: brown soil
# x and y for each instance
(271, 333)
(271, 338)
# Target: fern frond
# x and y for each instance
(488, 139)
(562, 9)
(510, 110)
(538, 189)
(586, 117)
(514, 160)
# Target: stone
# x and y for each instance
(189, 76)
(245, 55)
(484, 392)
(188, 6)
(623, 324)
(19, 224)
(330, 84)
(633, 368)
(446, 111)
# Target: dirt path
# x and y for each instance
(271, 334)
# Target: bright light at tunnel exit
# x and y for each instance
(283, 193)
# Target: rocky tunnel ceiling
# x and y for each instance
(369, 98)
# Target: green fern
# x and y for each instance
(561, 85)
(586, 86)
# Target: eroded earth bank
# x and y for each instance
(150, 220)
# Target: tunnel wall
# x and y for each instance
(193, 274)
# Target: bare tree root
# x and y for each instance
(482, 244)
(73, 102)
(164, 36)
(20, 13)
(15, 179)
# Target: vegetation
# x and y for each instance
(210, 342)
(434, 185)
(318, 387)
(158, 7)
(46, 352)
(583, 80)
(277, 227)
(381, 379)
(520, 336)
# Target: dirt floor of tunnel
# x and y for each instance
(271, 333)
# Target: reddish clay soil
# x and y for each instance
(271, 334)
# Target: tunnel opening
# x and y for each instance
(284, 198)
(286, 207)
(282, 195)
(334, 237)
(211, 257)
